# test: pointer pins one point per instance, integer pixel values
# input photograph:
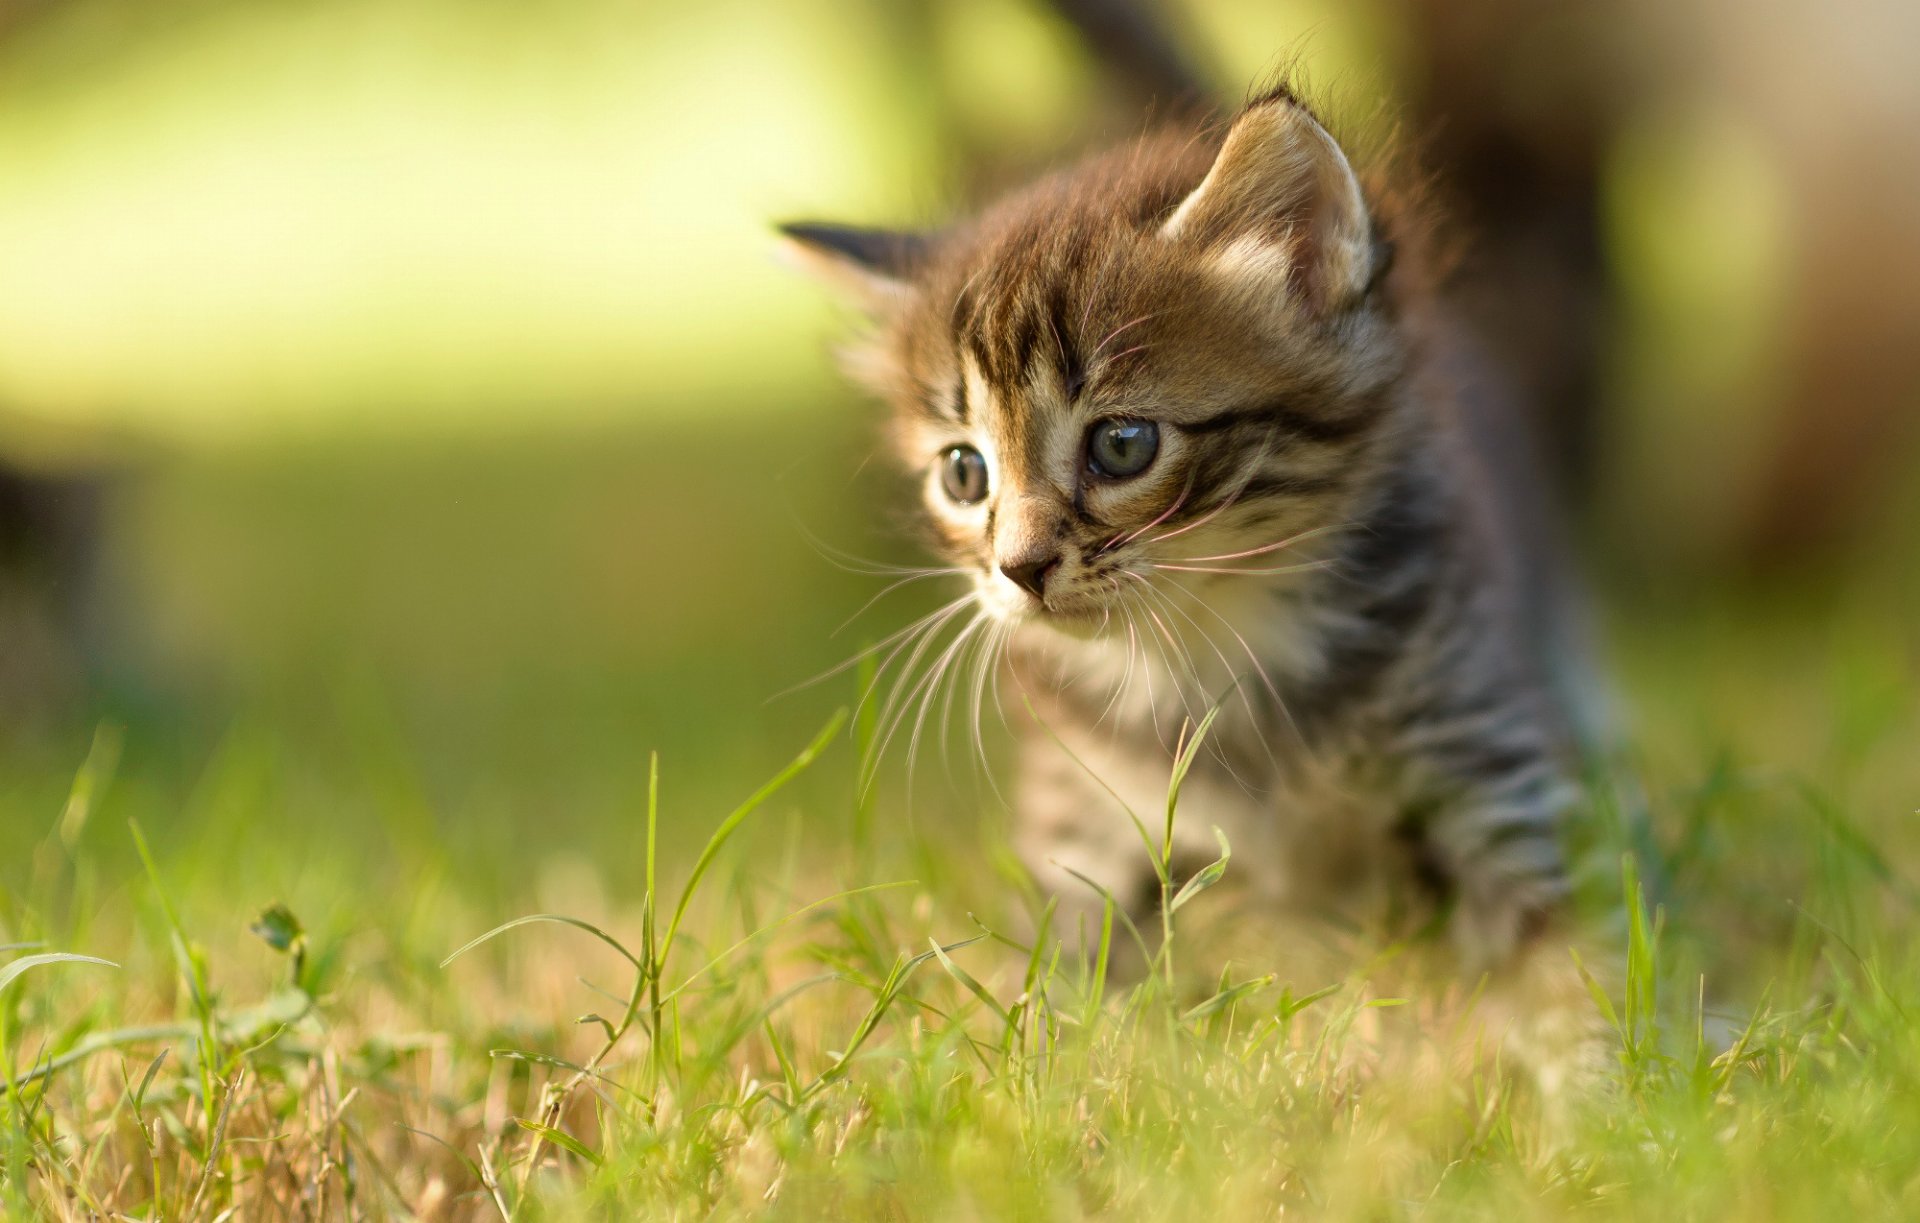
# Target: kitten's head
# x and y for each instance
(1153, 367)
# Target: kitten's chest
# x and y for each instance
(1310, 819)
(1307, 828)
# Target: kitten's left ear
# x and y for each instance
(875, 268)
(1282, 200)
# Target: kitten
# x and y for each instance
(1177, 414)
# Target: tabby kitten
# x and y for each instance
(1177, 419)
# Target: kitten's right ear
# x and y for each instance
(875, 268)
(1282, 199)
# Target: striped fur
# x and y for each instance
(1312, 541)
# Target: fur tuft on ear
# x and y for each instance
(873, 267)
(1281, 199)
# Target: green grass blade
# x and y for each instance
(559, 1137)
(12, 971)
(1183, 761)
(1209, 875)
(1226, 998)
(972, 984)
(559, 919)
(733, 821)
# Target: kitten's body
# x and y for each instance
(1315, 541)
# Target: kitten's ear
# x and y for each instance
(1282, 200)
(874, 268)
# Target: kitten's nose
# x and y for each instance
(1030, 573)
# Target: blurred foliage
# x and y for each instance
(454, 399)
(461, 443)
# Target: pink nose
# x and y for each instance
(1030, 573)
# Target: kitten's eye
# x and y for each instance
(1121, 448)
(963, 473)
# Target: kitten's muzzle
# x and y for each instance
(1030, 573)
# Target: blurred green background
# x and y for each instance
(429, 433)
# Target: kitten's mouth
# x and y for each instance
(1066, 608)
(1082, 626)
(1075, 618)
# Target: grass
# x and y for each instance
(347, 987)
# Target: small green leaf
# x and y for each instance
(1227, 997)
(1207, 876)
(561, 1139)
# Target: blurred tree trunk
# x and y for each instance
(1513, 106)
(1146, 56)
(49, 528)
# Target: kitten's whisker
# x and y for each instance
(931, 685)
(1128, 352)
(989, 657)
(1115, 333)
(1288, 542)
(1217, 748)
(1232, 498)
(970, 661)
(850, 562)
(1302, 567)
(1126, 675)
(1172, 674)
(1206, 637)
(1259, 668)
(944, 727)
(889, 640)
(917, 576)
(1170, 511)
(1180, 653)
(921, 643)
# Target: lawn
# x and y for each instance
(361, 707)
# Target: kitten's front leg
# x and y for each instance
(1487, 797)
(1496, 804)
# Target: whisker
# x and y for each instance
(1120, 688)
(1217, 747)
(890, 639)
(1288, 542)
(1164, 600)
(1259, 668)
(1128, 352)
(982, 659)
(919, 576)
(1302, 567)
(851, 562)
(1232, 498)
(1179, 649)
(931, 686)
(902, 680)
(1124, 539)
(1146, 672)
(1115, 333)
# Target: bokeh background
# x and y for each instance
(405, 427)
